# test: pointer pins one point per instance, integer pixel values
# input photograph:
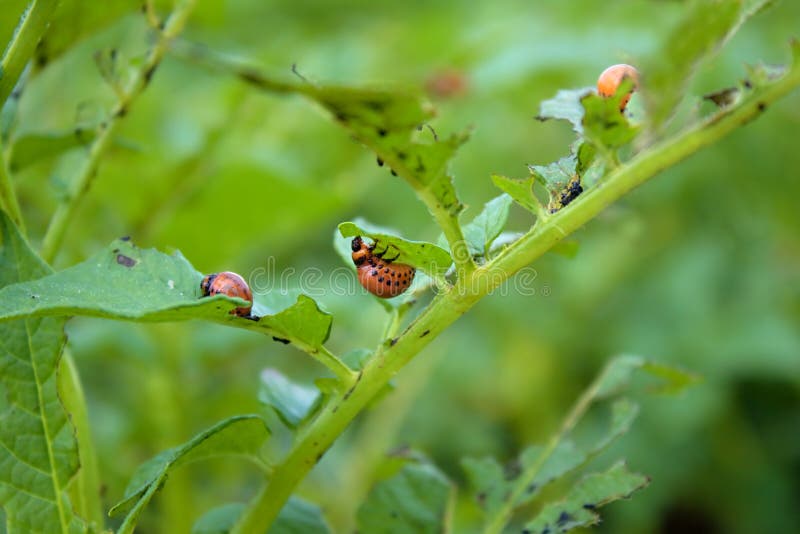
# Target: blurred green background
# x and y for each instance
(699, 268)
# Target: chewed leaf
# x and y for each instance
(387, 122)
(603, 123)
(556, 175)
(292, 403)
(129, 283)
(414, 500)
(578, 507)
(38, 451)
(494, 485)
(566, 105)
(487, 225)
(521, 190)
(241, 436)
(426, 257)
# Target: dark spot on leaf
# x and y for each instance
(589, 506)
(747, 84)
(425, 333)
(723, 97)
(380, 162)
(394, 173)
(125, 238)
(121, 112)
(526, 531)
(34, 297)
(341, 116)
(394, 515)
(481, 498)
(401, 155)
(382, 132)
(531, 488)
(125, 261)
(393, 341)
(762, 106)
(115, 250)
(546, 530)
(281, 340)
(563, 518)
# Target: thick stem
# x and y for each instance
(32, 25)
(8, 197)
(83, 181)
(85, 488)
(450, 305)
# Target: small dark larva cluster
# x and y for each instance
(230, 284)
(379, 275)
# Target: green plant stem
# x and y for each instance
(85, 488)
(83, 180)
(8, 197)
(450, 304)
(497, 522)
(345, 375)
(32, 25)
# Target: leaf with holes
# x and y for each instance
(129, 283)
(579, 505)
(38, 451)
(494, 485)
(240, 436)
(566, 106)
(603, 124)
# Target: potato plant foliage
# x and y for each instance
(50, 478)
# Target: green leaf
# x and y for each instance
(414, 500)
(299, 517)
(494, 485)
(578, 507)
(241, 436)
(706, 25)
(561, 179)
(35, 148)
(388, 122)
(126, 282)
(566, 105)
(296, 517)
(291, 402)
(219, 520)
(556, 175)
(38, 451)
(619, 374)
(487, 225)
(521, 190)
(603, 124)
(424, 256)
